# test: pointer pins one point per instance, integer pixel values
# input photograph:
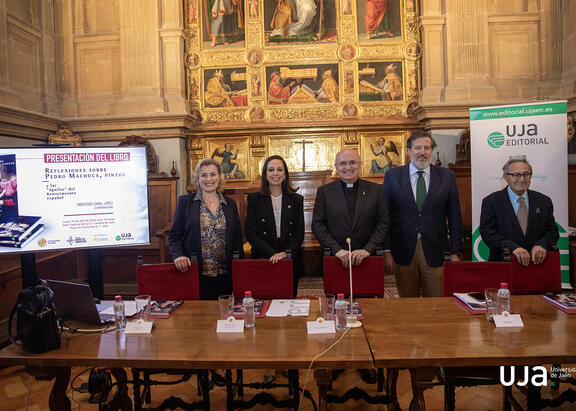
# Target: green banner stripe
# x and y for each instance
(564, 259)
(518, 111)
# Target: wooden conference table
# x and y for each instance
(396, 333)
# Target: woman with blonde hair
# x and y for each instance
(207, 223)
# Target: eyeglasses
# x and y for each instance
(516, 176)
(347, 163)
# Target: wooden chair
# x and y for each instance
(367, 278)
(536, 279)
(165, 282)
(466, 276)
(264, 279)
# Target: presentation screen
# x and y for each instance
(62, 198)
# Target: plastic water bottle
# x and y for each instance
(503, 299)
(340, 312)
(249, 315)
(119, 313)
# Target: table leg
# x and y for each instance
(58, 399)
(420, 379)
(391, 383)
(120, 400)
(323, 380)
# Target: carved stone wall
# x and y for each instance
(489, 52)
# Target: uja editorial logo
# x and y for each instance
(495, 139)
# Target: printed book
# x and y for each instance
(470, 303)
(17, 229)
(164, 308)
(565, 301)
(260, 308)
(24, 241)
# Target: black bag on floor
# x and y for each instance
(37, 322)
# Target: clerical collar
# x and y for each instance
(349, 185)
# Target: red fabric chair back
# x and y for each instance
(467, 276)
(165, 282)
(264, 279)
(537, 279)
(367, 278)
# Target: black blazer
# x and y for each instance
(499, 225)
(261, 226)
(332, 225)
(406, 221)
(184, 235)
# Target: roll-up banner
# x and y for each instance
(537, 131)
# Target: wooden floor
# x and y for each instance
(17, 389)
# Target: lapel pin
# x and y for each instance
(363, 193)
(289, 206)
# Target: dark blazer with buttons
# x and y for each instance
(261, 226)
(331, 223)
(441, 205)
(184, 237)
(499, 225)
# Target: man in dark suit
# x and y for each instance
(350, 208)
(519, 219)
(421, 198)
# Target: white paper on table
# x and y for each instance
(129, 309)
(508, 320)
(289, 308)
(321, 326)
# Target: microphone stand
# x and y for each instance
(351, 320)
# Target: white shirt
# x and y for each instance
(277, 206)
(414, 178)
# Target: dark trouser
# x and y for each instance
(212, 287)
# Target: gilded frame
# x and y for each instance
(233, 155)
(377, 156)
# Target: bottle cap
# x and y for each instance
(247, 293)
(118, 298)
(503, 285)
(340, 296)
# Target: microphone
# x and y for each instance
(352, 321)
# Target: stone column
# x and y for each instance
(434, 56)
(140, 57)
(64, 36)
(48, 63)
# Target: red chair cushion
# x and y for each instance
(466, 276)
(264, 279)
(367, 278)
(537, 279)
(165, 282)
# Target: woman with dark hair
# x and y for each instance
(275, 217)
(207, 223)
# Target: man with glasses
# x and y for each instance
(351, 208)
(517, 218)
(425, 220)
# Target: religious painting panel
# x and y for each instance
(223, 23)
(233, 155)
(306, 153)
(300, 21)
(303, 84)
(380, 81)
(378, 20)
(381, 151)
(225, 87)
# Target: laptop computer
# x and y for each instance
(74, 301)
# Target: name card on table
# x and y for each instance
(138, 327)
(508, 320)
(230, 325)
(321, 326)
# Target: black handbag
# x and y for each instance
(37, 321)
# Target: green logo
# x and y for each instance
(118, 238)
(495, 139)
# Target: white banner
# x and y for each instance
(54, 198)
(537, 131)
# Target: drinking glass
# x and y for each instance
(226, 305)
(327, 306)
(143, 307)
(491, 296)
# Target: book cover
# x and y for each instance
(8, 187)
(164, 308)
(17, 229)
(24, 241)
(260, 308)
(470, 303)
(566, 302)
